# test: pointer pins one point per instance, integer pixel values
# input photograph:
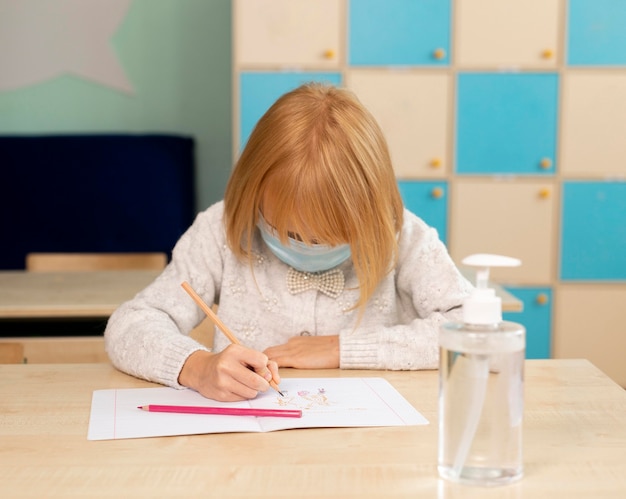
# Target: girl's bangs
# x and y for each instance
(307, 208)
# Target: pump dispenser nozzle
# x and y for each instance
(483, 306)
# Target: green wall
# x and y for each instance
(176, 53)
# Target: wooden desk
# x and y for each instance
(574, 444)
(30, 295)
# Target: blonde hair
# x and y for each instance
(324, 160)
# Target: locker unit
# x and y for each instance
(506, 132)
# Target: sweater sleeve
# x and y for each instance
(148, 336)
(427, 283)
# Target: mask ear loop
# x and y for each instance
(254, 258)
(266, 225)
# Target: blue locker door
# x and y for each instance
(596, 33)
(536, 318)
(506, 123)
(593, 231)
(258, 91)
(428, 200)
(399, 32)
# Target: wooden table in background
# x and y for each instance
(574, 444)
(43, 310)
(57, 317)
(33, 295)
(29, 295)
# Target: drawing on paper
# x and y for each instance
(304, 399)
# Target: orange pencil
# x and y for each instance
(216, 320)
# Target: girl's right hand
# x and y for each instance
(236, 373)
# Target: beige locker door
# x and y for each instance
(287, 33)
(508, 218)
(507, 33)
(593, 133)
(589, 324)
(412, 109)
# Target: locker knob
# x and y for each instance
(436, 162)
(439, 53)
(544, 193)
(547, 54)
(437, 193)
(329, 54)
(542, 299)
(545, 163)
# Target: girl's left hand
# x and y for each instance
(306, 352)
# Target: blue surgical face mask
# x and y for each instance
(303, 257)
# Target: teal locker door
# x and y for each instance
(428, 200)
(593, 231)
(258, 91)
(536, 318)
(399, 32)
(506, 123)
(596, 33)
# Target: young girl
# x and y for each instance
(311, 257)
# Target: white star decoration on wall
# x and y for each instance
(43, 39)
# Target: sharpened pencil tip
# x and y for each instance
(274, 385)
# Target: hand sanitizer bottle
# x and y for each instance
(481, 378)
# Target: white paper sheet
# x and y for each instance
(325, 402)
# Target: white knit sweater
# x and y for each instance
(148, 335)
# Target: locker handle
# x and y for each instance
(545, 163)
(437, 193)
(439, 53)
(544, 193)
(436, 162)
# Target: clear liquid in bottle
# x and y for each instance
(481, 403)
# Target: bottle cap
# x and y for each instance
(483, 306)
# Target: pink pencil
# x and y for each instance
(229, 411)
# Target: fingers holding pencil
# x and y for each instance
(235, 373)
(246, 369)
(247, 366)
(267, 369)
(270, 374)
